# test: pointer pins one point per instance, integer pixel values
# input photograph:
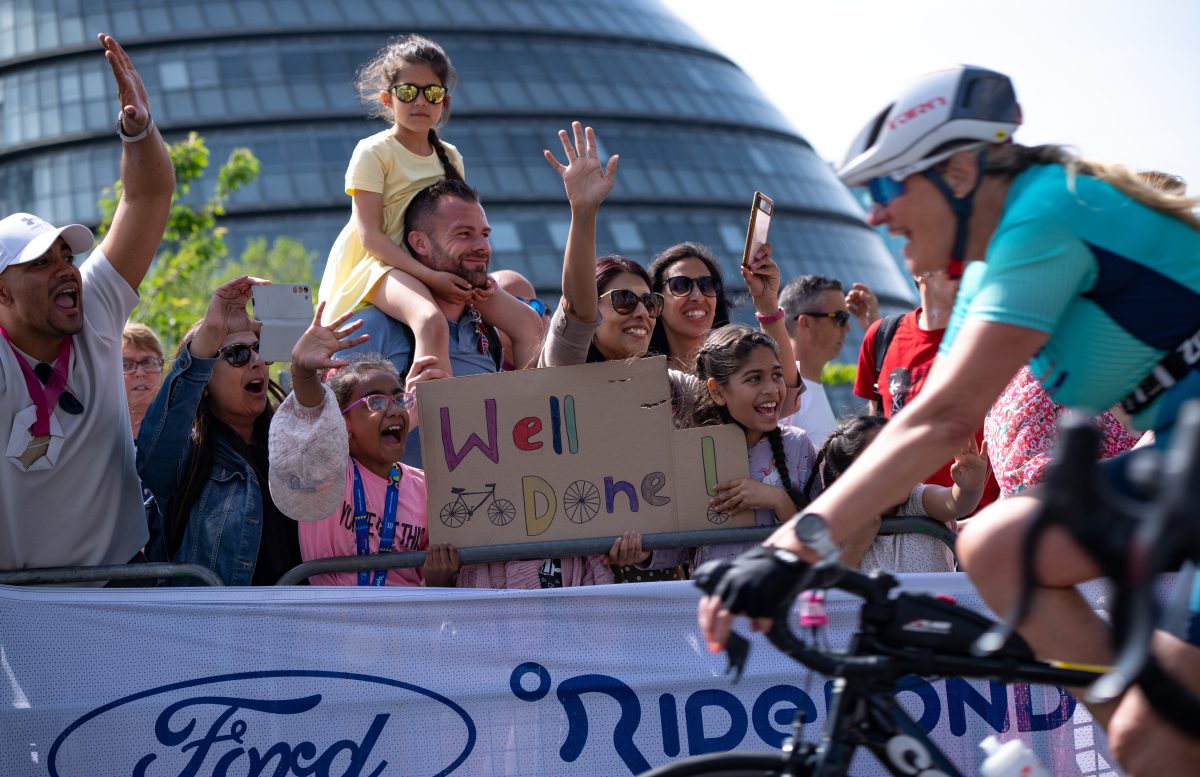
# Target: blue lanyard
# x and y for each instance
(387, 533)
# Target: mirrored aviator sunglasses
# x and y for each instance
(238, 354)
(625, 301)
(406, 93)
(883, 190)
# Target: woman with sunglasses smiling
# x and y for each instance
(1057, 257)
(689, 278)
(335, 460)
(202, 450)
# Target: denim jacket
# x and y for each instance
(224, 527)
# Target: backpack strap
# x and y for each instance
(883, 339)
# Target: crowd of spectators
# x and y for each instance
(203, 459)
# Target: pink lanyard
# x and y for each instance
(44, 397)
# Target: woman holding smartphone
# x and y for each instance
(202, 449)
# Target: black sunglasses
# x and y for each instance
(238, 354)
(840, 317)
(681, 285)
(406, 93)
(538, 306)
(625, 301)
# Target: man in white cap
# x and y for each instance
(69, 491)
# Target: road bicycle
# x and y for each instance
(902, 633)
(454, 514)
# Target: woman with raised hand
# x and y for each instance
(202, 449)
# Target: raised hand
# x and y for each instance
(226, 314)
(313, 352)
(131, 94)
(762, 279)
(586, 181)
(863, 305)
(969, 469)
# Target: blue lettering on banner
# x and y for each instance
(238, 733)
(770, 715)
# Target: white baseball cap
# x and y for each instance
(25, 237)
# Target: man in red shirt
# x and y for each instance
(907, 362)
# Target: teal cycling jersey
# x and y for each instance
(1114, 284)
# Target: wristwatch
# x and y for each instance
(813, 530)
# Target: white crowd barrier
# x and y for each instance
(348, 682)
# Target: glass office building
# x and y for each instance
(695, 134)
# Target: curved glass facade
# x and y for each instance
(696, 136)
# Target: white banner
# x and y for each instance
(348, 682)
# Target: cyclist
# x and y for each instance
(1079, 269)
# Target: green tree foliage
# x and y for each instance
(193, 258)
(835, 374)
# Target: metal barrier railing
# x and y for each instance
(476, 555)
(583, 547)
(152, 571)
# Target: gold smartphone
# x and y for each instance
(760, 222)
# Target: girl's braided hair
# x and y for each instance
(724, 352)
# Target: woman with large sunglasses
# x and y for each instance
(689, 278)
(1079, 269)
(202, 449)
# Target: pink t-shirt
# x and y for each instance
(334, 536)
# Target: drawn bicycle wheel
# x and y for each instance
(716, 516)
(454, 514)
(501, 512)
(581, 501)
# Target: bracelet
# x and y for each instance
(133, 138)
(770, 318)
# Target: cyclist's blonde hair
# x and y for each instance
(343, 381)
(1013, 159)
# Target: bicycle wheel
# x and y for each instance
(728, 765)
(454, 514)
(501, 512)
(717, 517)
(581, 501)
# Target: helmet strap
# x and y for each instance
(962, 208)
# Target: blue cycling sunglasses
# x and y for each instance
(538, 306)
(883, 190)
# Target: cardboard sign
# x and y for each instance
(568, 452)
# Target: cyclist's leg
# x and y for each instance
(1061, 624)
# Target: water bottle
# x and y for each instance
(1010, 759)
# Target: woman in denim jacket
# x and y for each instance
(202, 450)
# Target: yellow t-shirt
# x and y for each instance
(380, 164)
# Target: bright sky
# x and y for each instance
(1117, 79)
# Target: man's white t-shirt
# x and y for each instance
(81, 503)
(815, 415)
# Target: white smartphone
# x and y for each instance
(760, 222)
(285, 311)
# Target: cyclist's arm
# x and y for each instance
(951, 406)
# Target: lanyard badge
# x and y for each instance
(44, 397)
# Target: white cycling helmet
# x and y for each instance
(938, 114)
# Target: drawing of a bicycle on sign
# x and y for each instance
(454, 514)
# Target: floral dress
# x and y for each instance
(1020, 432)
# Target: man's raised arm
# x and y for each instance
(147, 175)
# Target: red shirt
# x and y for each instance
(905, 367)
